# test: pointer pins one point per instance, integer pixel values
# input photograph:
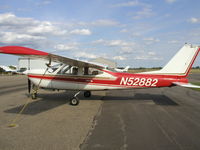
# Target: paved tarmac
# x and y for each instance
(160, 118)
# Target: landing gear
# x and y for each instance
(87, 94)
(75, 101)
(34, 92)
(34, 95)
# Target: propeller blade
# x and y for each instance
(29, 86)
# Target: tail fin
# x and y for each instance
(181, 63)
(126, 69)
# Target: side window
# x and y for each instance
(66, 70)
(74, 71)
(69, 70)
(92, 71)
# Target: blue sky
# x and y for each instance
(138, 33)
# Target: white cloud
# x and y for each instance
(194, 20)
(81, 32)
(144, 13)
(45, 2)
(136, 34)
(9, 19)
(151, 40)
(124, 31)
(148, 56)
(144, 57)
(131, 4)
(105, 23)
(29, 31)
(173, 42)
(100, 41)
(46, 27)
(117, 43)
(96, 23)
(127, 4)
(119, 58)
(15, 38)
(126, 50)
(66, 47)
(85, 55)
(170, 1)
(122, 47)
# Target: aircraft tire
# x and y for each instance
(34, 95)
(74, 101)
(87, 94)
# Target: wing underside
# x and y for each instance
(32, 53)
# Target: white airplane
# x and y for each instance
(123, 70)
(8, 69)
(78, 75)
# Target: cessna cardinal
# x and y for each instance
(78, 75)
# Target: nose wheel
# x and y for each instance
(74, 101)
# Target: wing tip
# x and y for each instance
(19, 50)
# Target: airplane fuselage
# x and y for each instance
(110, 81)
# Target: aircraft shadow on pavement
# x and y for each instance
(44, 103)
(48, 101)
(158, 99)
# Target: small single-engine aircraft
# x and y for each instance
(8, 69)
(78, 75)
(122, 70)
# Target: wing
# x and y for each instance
(32, 53)
(188, 85)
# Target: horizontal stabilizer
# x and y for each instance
(188, 85)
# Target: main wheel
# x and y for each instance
(87, 93)
(74, 101)
(34, 95)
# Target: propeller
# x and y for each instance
(29, 86)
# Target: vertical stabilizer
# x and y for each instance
(181, 63)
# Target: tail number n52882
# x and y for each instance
(138, 81)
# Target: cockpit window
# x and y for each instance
(73, 70)
(94, 71)
(54, 68)
(65, 70)
(68, 70)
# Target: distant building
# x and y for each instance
(107, 62)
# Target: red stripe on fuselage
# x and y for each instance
(163, 81)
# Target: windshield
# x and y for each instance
(54, 68)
